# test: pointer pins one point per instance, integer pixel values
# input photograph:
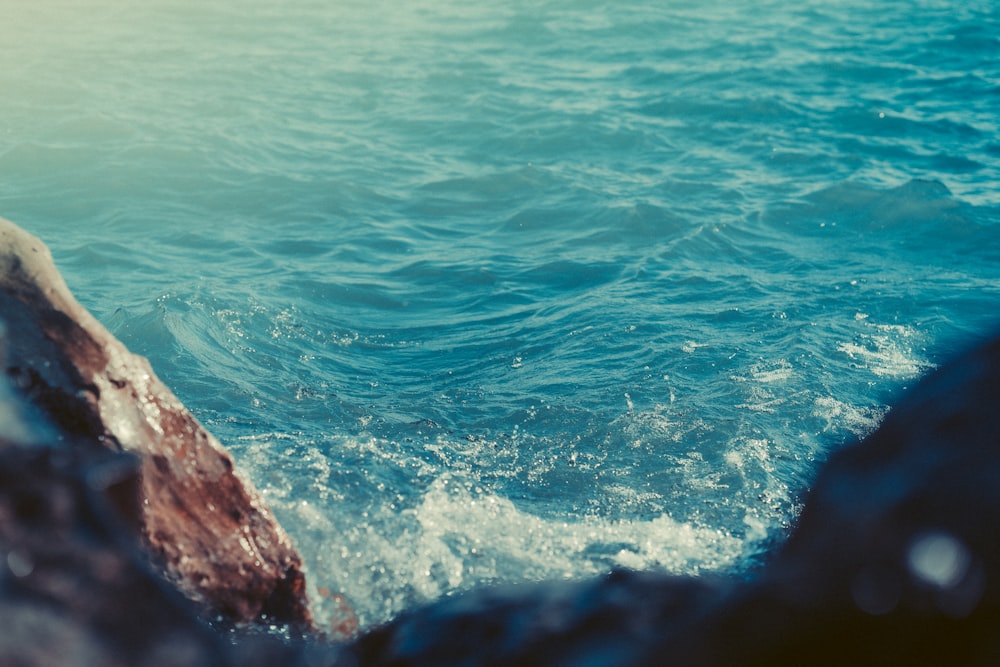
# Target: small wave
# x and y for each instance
(776, 371)
(761, 375)
(467, 536)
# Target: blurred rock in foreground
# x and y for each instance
(73, 591)
(895, 560)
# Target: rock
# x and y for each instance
(609, 621)
(894, 560)
(207, 528)
(74, 588)
(896, 555)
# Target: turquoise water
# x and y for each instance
(532, 290)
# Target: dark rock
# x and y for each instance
(208, 529)
(74, 589)
(896, 556)
(604, 622)
(894, 560)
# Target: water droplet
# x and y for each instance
(939, 559)
(20, 563)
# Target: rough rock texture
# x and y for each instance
(610, 621)
(208, 528)
(895, 560)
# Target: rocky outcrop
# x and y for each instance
(206, 527)
(895, 560)
(77, 589)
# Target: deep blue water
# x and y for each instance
(532, 290)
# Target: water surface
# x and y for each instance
(534, 290)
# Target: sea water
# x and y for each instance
(492, 293)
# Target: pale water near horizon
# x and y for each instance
(490, 294)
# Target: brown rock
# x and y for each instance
(208, 528)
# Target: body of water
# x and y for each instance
(536, 289)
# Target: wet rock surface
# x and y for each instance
(126, 538)
(207, 527)
(76, 586)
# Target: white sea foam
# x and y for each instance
(859, 420)
(887, 350)
(457, 521)
(656, 424)
(460, 535)
(770, 498)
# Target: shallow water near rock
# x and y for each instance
(496, 294)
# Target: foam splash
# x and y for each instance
(460, 536)
(754, 459)
(390, 553)
(887, 350)
(654, 424)
(858, 420)
(460, 520)
(397, 522)
(762, 375)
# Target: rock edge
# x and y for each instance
(207, 527)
